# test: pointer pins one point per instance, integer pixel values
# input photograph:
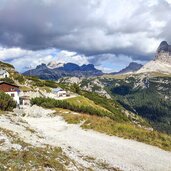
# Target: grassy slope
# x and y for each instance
(101, 104)
(6, 65)
(150, 103)
(125, 129)
(115, 108)
(93, 105)
(81, 100)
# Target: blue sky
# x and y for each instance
(110, 34)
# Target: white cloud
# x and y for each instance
(73, 57)
(21, 58)
(24, 59)
(90, 27)
(83, 30)
(10, 53)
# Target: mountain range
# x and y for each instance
(54, 71)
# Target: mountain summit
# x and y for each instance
(164, 53)
(161, 62)
(164, 47)
(132, 67)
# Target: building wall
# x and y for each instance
(5, 75)
(13, 91)
(15, 96)
(61, 93)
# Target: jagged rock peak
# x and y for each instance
(164, 47)
(162, 61)
(42, 66)
(164, 53)
(134, 65)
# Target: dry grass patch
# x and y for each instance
(124, 130)
(33, 158)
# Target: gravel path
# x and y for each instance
(117, 152)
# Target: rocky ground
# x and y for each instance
(88, 149)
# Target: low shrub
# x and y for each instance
(6, 102)
(52, 103)
(50, 83)
(8, 80)
(19, 78)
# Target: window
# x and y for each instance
(12, 89)
(12, 95)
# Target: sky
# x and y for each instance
(107, 33)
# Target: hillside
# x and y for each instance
(146, 95)
(27, 83)
(125, 91)
(6, 66)
(86, 118)
(92, 104)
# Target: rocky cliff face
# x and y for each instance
(164, 53)
(161, 62)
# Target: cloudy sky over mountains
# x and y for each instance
(107, 33)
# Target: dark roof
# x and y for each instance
(3, 82)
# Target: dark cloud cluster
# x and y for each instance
(93, 28)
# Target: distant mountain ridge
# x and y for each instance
(54, 71)
(132, 67)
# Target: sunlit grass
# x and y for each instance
(82, 101)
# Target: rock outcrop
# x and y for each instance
(164, 53)
(161, 62)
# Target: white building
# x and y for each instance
(4, 73)
(59, 92)
(24, 101)
(15, 96)
(10, 89)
